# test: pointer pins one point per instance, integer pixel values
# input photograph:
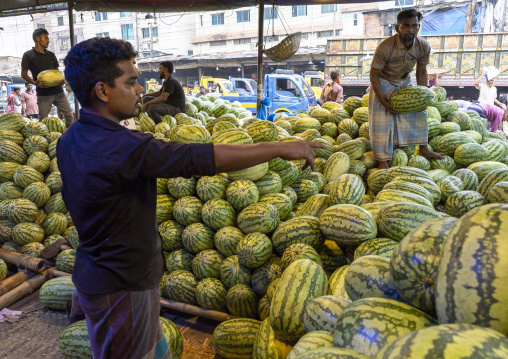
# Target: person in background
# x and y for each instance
(189, 91)
(201, 91)
(214, 88)
(332, 91)
(29, 102)
(109, 176)
(37, 60)
(394, 59)
(492, 113)
(463, 104)
(488, 92)
(206, 91)
(14, 100)
(368, 90)
(169, 100)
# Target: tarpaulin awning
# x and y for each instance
(160, 5)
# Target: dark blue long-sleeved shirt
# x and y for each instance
(109, 187)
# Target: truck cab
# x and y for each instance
(225, 86)
(288, 92)
(316, 81)
(244, 86)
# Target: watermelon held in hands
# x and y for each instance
(50, 78)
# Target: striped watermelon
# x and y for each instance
(349, 127)
(266, 346)
(289, 174)
(34, 144)
(236, 137)
(242, 193)
(475, 248)
(33, 249)
(467, 341)
(25, 175)
(12, 122)
(459, 203)
(347, 224)
(263, 308)
(354, 149)
(218, 213)
(276, 164)
(329, 129)
(461, 118)
(74, 341)
(300, 283)
(408, 187)
(180, 286)
(35, 128)
(303, 229)
(197, 237)
(415, 262)
(450, 185)
(412, 99)
(235, 338)
(477, 125)
(322, 313)
(258, 217)
(312, 340)
(171, 235)
(331, 353)
(304, 124)
(264, 276)
(54, 223)
(210, 187)
(491, 179)
(337, 165)
(304, 189)
(251, 173)
(351, 104)
(24, 233)
(187, 210)
(434, 127)
(263, 131)
(11, 246)
(357, 167)
(315, 205)
(65, 260)
(21, 210)
(9, 190)
(399, 158)
(470, 153)
(269, 183)
(173, 337)
(7, 170)
(55, 203)
(405, 171)
(299, 251)
(180, 187)
(496, 148)
(361, 115)
(498, 193)
(323, 152)
(428, 184)
(206, 264)
(226, 239)
(347, 189)
(386, 319)
(179, 259)
(242, 301)
(232, 272)
(377, 180)
(39, 161)
(369, 276)
(164, 209)
(338, 114)
(447, 163)
(253, 250)
(280, 201)
(56, 292)
(54, 182)
(469, 178)
(12, 136)
(383, 247)
(396, 220)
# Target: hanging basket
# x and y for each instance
(284, 49)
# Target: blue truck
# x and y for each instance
(287, 91)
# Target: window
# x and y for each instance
(98, 16)
(326, 9)
(127, 32)
(327, 33)
(155, 31)
(299, 10)
(286, 88)
(125, 14)
(355, 21)
(338, 32)
(201, 20)
(241, 41)
(103, 34)
(243, 16)
(104, 16)
(269, 12)
(41, 26)
(190, 52)
(60, 20)
(75, 39)
(145, 32)
(304, 36)
(218, 43)
(218, 19)
(403, 2)
(271, 38)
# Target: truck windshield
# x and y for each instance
(317, 82)
(253, 84)
(228, 86)
(306, 88)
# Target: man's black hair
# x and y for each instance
(409, 14)
(334, 75)
(27, 83)
(191, 86)
(15, 89)
(201, 87)
(168, 65)
(39, 32)
(95, 60)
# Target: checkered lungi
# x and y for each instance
(125, 325)
(388, 130)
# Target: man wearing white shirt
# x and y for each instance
(488, 92)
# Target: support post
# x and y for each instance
(260, 51)
(70, 7)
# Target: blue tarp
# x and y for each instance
(444, 21)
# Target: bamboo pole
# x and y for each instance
(23, 261)
(198, 311)
(57, 273)
(24, 289)
(12, 282)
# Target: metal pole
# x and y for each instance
(260, 51)
(137, 33)
(70, 7)
(151, 39)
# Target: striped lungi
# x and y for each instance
(477, 108)
(388, 130)
(125, 324)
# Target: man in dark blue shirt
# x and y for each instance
(109, 186)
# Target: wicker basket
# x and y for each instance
(284, 49)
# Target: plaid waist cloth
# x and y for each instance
(388, 130)
(125, 324)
